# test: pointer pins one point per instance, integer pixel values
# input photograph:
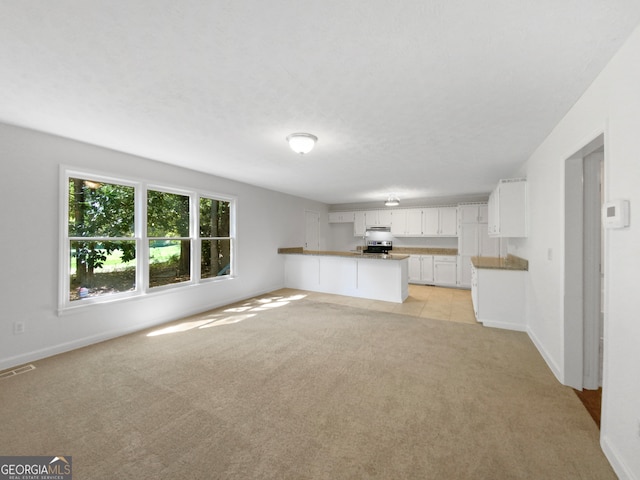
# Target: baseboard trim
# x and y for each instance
(614, 459)
(504, 325)
(553, 366)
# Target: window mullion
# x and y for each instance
(141, 239)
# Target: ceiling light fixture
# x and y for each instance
(392, 201)
(302, 142)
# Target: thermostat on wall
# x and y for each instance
(615, 214)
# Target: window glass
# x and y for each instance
(169, 262)
(98, 209)
(214, 218)
(167, 214)
(215, 243)
(101, 268)
(216, 258)
(167, 220)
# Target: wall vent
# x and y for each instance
(17, 371)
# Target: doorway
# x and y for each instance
(584, 318)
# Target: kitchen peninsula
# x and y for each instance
(356, 274)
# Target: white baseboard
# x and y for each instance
(617, 464)
(504, 325)
(545, 355)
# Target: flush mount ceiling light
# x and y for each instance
(302, 142)
(392, 201)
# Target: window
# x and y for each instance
(169, 239)
(101, 245)
(123, 238)
(215, 238)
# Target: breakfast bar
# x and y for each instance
(356, 274)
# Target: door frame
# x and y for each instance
(580, 349)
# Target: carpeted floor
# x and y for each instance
(283, 387)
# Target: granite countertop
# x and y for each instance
(359, 254)
(425, 251)
(511, 262)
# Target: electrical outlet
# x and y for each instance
(18, 328)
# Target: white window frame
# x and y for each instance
(231, 237)
(140, 237)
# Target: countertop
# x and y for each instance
(511, 262)
(425, 251)
(378, 256)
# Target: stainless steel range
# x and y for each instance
(379, 246)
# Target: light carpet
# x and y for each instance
(282, 387)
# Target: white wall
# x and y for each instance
(29, 189)
(611, 105)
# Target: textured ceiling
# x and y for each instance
(423, 98)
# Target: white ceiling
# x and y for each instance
(423, 98)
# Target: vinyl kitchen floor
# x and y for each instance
(437, 303)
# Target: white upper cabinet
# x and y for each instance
(414, 222)
(448, 221)
(483, 213)
(341, 217)
(430, 221)
(378, 218)
(406, 222)
(359, 226)
(508, 209)
(440, 221)
(398, 222)
(468, 213)
(473, 213)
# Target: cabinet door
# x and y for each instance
(427, 268)
(384, 218)
(468, 239)
(371, 218)
(468, 214)
(334, 217)
(430, 221)
(414, 222)
(415, 268)
(340, 217)
(483, 213)
(448, 221)
(398, 222)
(359, 224)
(444, 273)
(493, 214)
(464, 271)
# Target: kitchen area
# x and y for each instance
(376, 253)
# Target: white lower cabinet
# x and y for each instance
(445, 270)
(498, 297)
(372, 278)
(421, 269)
(433, 270)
